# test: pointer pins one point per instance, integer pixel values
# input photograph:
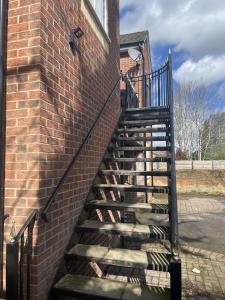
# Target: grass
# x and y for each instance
(201, 191)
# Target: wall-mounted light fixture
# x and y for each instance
(75, 34)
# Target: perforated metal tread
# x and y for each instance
(134, 173)
(135, 123)
(126, 229)
(101, 288)
(140, 138)
(115, 205)
(134, 159)
(159, 148)
(143, 129)
(121, 257)
(132, 188)
(146, 116)
(146, 110)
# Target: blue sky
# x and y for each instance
(193, 29)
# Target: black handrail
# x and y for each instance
(17, 249)
(62, 179)
(30, 219)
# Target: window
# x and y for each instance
(101, 9)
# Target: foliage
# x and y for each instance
(216, 152)
(192, 109)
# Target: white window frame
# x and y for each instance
(102, 15)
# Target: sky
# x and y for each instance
(193, 29)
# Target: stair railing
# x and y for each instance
(71, 164)
(18, 260)
(151, 90)
(156, 90)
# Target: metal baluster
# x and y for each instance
(29, 254)
(12, 256)
(21, 266)
(167, 88)
(155, 100)
(164, 88)
(158, 88)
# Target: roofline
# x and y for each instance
(125, 47)
(128, 45)
(136, 43)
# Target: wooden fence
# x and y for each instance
(194, 165)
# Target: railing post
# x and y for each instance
(12, 271)
(173, 191)
(175, 278)
(159, 92)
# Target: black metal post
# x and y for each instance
(175, 278)
(12, 271)
(173, 191)
(3, 59)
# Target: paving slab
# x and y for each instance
(202, 236)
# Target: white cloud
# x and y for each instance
(196, 26)
(221, 91)
(207, 70)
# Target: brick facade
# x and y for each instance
(53, 98)
(134, 69)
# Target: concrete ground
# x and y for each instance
(202, 222)
(202, 237)
(202, 229)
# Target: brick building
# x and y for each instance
(139, 42)
(54, 94)
(77, 155)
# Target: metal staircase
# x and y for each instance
(114, 229)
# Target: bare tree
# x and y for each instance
(192, 110)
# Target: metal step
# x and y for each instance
(135, 159)
(134, 123)
(126, 229)
(132, 188)
(143, 129)
(134, 173)
(86, 287)
(141, 138)
(156, 148)
(146, 116)
(156, 208)
(146, 110)
(121, 257)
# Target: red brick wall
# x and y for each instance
(134, 69)
(128, 66)
(53, 98)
